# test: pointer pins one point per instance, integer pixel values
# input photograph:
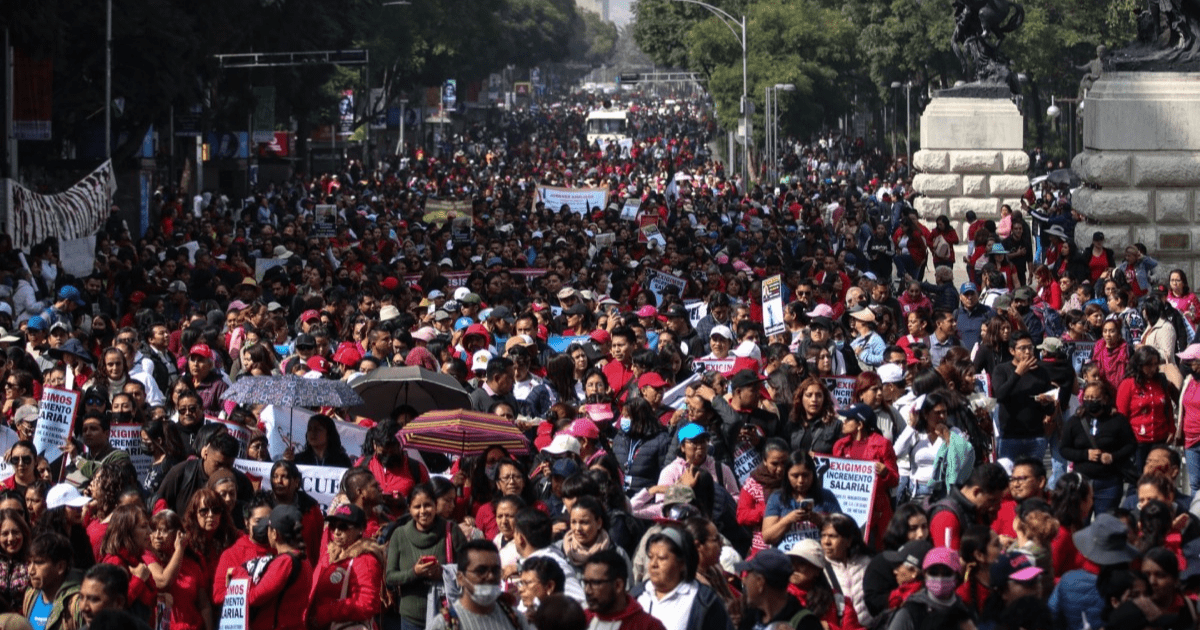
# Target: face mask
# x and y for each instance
(121, 417)
(394, 461)
(941, 587)
(485, 594)
(1023, 310)
(1093, 407)
(147, 447)
(490, 470)
(840, 343)
(259, 531)
(625, 424)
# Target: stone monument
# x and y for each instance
(1141, 141)
(972, 153)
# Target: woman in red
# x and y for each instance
(278, 584)
(1145, 397)
(1111, 352)
(285, 484)
(1161, 567)
(177, 573)
(863, 441)
(763, 482)
(397, 473)
(126, 544)
(943, 229)
(346, 582)
(106, 488)
(248, 546)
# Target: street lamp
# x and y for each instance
(907, 120)
(771, 126)
(729, 21)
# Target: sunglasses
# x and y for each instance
(21, 460)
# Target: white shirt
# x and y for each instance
(522, 389)
(673, 608)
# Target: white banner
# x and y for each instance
(78, 212)
(78, 256)
(320, 482)
(56, 417)
(659, 280)
(287, 426)
(772, 302)
(581, 200)
(852, 481)
(128, 438)
(235, 611)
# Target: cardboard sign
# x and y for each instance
(852, 481)
(772, 302)
(287, 426)
(842, 388)
(746, 459)
(263, 265)
(56, 421)
(235, 611)
(128, 438)
(629, 211)
(657, 280)
(320, 482)
(696, 311)
(1080, 353)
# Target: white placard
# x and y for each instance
(235, 611)
(581, 200)
(772, 302)
(852, 481)
(658, 280)
(56, 419)
(128, 438)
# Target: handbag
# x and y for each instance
(442, 594)
(349, 625)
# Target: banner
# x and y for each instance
(696, 310)
(128, 438)
(455, 279)
(56, 420)
(288, 426)
(560, 344)
(701, 366)
(581, 200)
(346, 113)
(78, 212)
(236, 609)
(772, 302)
(450, 94)
(438, 210)
(33, 96)
(852, 481)
(320, 482)
(842, 388)
(657, 280)
(264, 114)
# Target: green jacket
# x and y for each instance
(67, 600)
(405, 547)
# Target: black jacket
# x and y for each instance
(1113, 435)
(185, 479)
(817, 437)
(1021, 416)
(646, 461)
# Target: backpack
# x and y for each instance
(632, 529)
(1052, 322)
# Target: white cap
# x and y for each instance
(435, 294)
(388, 312)
(480, 360)
(721, 330)
(890, 373)
(748, 349)
(65, 494)
(460, 293)
(563, 443)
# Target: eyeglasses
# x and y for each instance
(483, 573)
(206, 511)
(21, 460)
(1021, 479)
(189, 409)
(12, 384)
(510, 478)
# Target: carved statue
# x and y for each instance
(1094, 69)
(980, 26)
(1168, 32)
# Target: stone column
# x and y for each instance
(972, 155)
(1141, 161)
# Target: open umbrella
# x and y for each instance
(462, 432)
(385, 389)
(292, 391)
(1064, 176)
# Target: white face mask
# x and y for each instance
(485, 594)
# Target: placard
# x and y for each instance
(598, 412)
(320, 482)
(324, 221)
(842, 388)
(701, 366)
(653, 235)
(657, 280)
(1080, 352)
(288, 426)
(696, 311)
(128, 438)
(437, 211)
(852, 481)
(746, 459)
(772, 302)
(580, 200)
(606, 239)
(241, 432)
(56, 421)
(629, 211)
(559, 344)
(235, 610)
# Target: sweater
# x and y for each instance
(1113, 435)
(1021, 416)
(405, 547)
(632, 617)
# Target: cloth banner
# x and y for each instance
(657, 280)
(56, 420)
(75, 213)
(772, 302)
(236, 609)
(852, 481)
(320, 482)
(696, 310)
(128, 438)
(264, 114)
(438, 210)
(581, 200)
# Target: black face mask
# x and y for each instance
(1093, 408)
(259, 531)
(120, 417)
(1024, 310)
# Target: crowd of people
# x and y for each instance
(1032, 433)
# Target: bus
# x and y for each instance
(607, 126)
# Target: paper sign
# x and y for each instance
(78, 256)
(772, 302)
(746, 459)
(598, 412)
(242, 433)
(288, 426)
(438, 210)
(653, 235)
(606, 239)
(580, 200)
(629, 211)
(696, 311)
(320, 482)
(657, 280)
(852, 481)
(235, 611)
(701, 366)
(676, 397)
(325, 221)
(1081, 352)
(842, 388)
(560, 344)
(128, 438)
(56, 419)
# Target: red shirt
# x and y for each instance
(185, 590)
(243, 550)
(618, 375)
(397, 483)
(140, 592)
(1148, 409)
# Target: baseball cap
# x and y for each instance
(677, 494)
(651, 379)
(562, 444)
(578, 308)
(721, 331)
(647, 311)
(821, 310)
(286, 519)
(676, 310)
(177, 286)
(1013, 565)
(317, 363)
(1190, 353)
(236, 305)
(744, 378)
(772, 564)
(425, 333)
(1024, 293)
(748, 350)
(859, 412)
(565, 292)
(943, 556)
(37, 322)
(65, 494)
(388, 312)
(348, 513)
(440, 315)
(968, 287)
(890, 373)
(435, 294)
(480, 360)
(202, 350)
(1051, 345)
(71, 293)
(584, 428)
(310, 315)
(390, 283)
(1097, 236)
(348, 353)
(471, 298)
(305, 340)
(600, 336)
(518, 341)
(912, 552)
(691, 431)
(501, 312)
(809, 551)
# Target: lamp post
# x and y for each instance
(771, 127)
(731, 22)
(1053, 112)
(907, 120)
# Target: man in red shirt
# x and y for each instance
(1028, 480)
(973, 504)
(604, 576)
(620, 370)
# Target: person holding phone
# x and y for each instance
(796, 511)
(416, 552)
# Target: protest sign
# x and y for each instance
(324, 221)
(746, 459)
(8, 438)
(320, 482)
(852, 481)
(78, 255)
(1080, 352)
(263, 265)
(56, 420)
(629, 211)
(242, 433)
(560, 344)
(235, 610)
(438, 211)
(696, 311)
(842, 388)
(657, 280)
(580, 200)
(651, 234)
(288, 426)
(528, 273)
(605, 239)
(676, 397)
(772, 302)
(598, 412)
(128, 438)
(701, 366)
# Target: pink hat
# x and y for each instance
(722, 259)
(1191, 353)
(651, 379)
(425, 333)
(647, 311)
(944, 556)
(821, 310)
(741, 265)
(584, 428)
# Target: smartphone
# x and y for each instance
(426, 559)
(806, 504)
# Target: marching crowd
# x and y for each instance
(1031, 435)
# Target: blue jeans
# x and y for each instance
(1016, 448)
(915, 488)
(1057, 461)
(1191, 456)
(1107, 494)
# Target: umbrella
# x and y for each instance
(385, 389)
(1064, 176)
(462, 432)
(292, 391)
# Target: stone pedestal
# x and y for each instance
(1141, 148)
(972, 155)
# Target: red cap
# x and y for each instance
(651, 379)
(137, 297)
(543, 332)
(317, 363)
(202, 350)
(600, 336)
(348, 353)
(310, 314)
(390, 283)
(545, 435)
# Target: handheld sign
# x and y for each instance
(56, 421)
(772, 302)
(235, 611)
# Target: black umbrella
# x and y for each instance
(1064, 176)
(385, 389)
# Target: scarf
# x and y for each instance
(770, 483)
(577, 554)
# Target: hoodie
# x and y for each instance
(922, 611)
(633, 617)
(242, 550)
